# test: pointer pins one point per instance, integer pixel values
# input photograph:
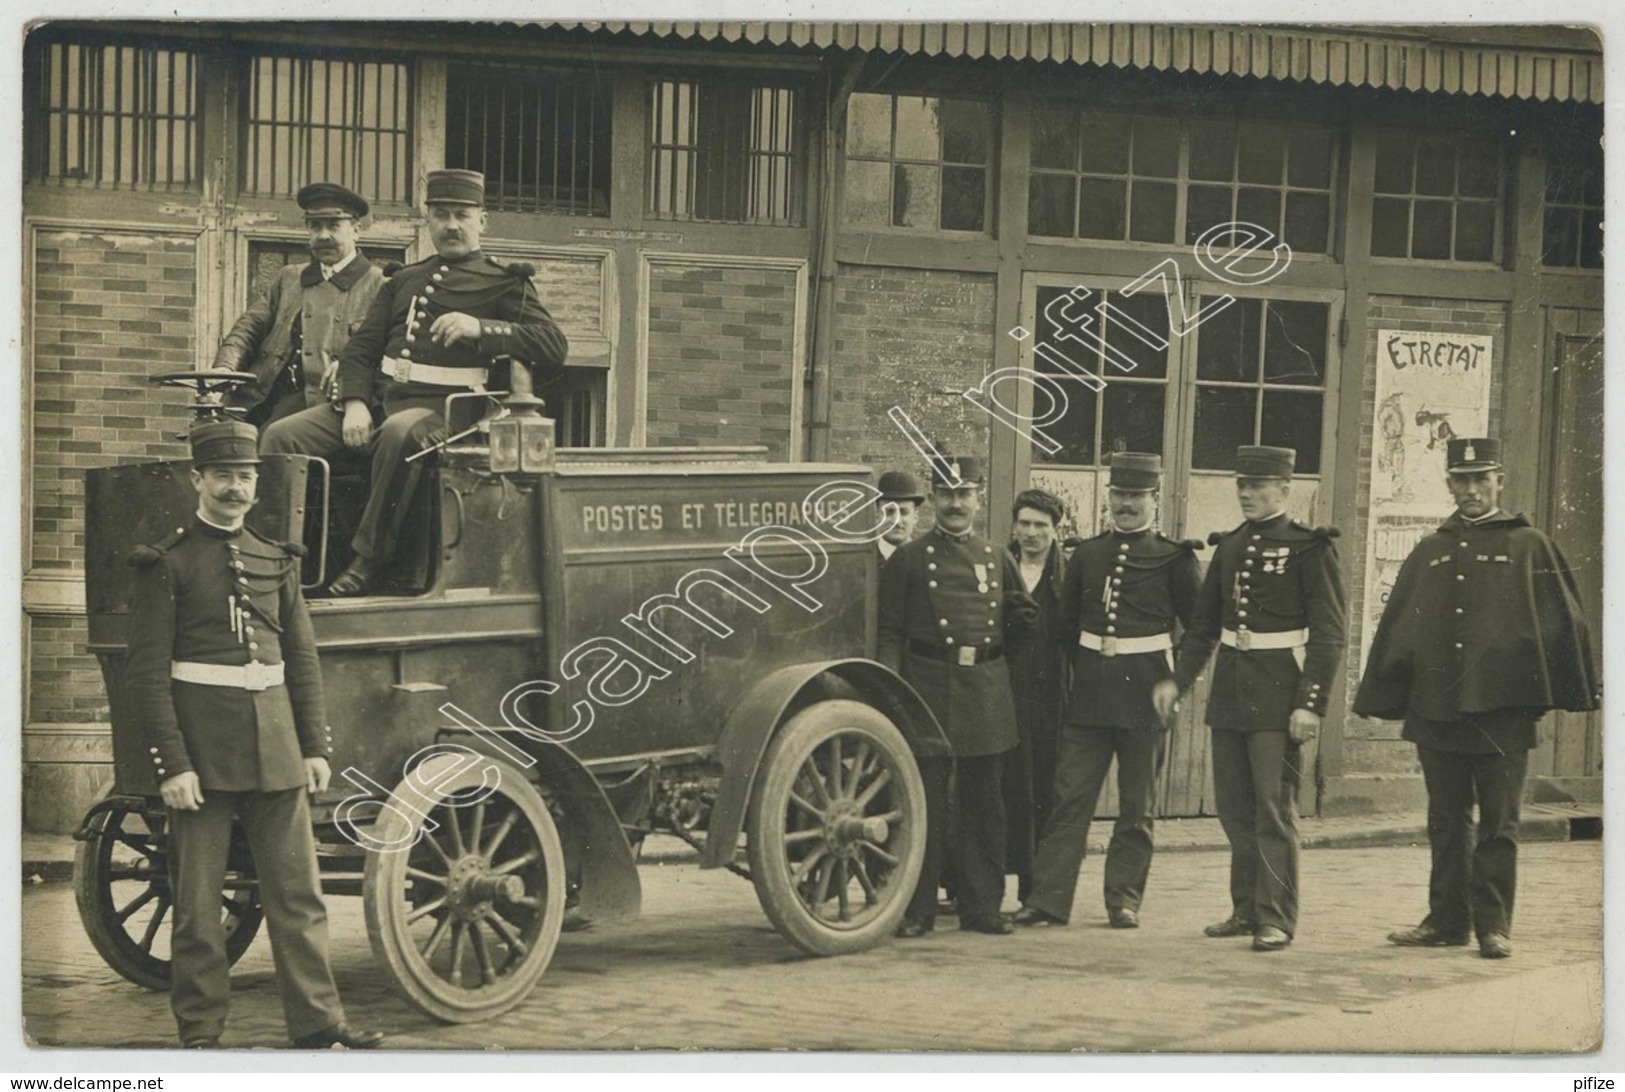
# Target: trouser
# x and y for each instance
(1029, 780)
(977, 848)
(1085, 757)
(1255, 778)
(412, 424)
(279, 837)
(1474, 879)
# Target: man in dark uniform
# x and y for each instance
(900, 496)
(1124, 590)
(1273, 598)
(948, 602)
(289, 337)
(222, 677)
(437, 327)
(1482, 635)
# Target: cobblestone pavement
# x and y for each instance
(702, 969)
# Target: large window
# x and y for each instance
(542, 138)
(724, 151)
(345, 121)
(1261, 368)
(116, 116)
(1148, 178)
(1573, 220)
(1438, 197)
(918, 161)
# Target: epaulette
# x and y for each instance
(1183, 543)
(390, 268)
(291, 549)
(142, 556)
(1219, 536)
(1324, 531)
(517, 269)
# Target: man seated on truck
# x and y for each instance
(436, 327)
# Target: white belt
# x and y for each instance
(245, 677)
(1125, 646)
(1250, 641)
(410, 371)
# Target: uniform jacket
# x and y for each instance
(1482, 617)
(1125, 585)
(946, 595)
(185, 589)
(1267, 577)
(514, 326)
(261, 341)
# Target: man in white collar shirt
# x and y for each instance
(1482, 635)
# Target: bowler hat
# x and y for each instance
(969, 468)
(1472, 456)
(455, 187)
(224, 442)
(897, 485)
(332, 199)
(1263, 461)
(1135, 471)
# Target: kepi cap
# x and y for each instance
(968, 466)
(332, 199)
(224, 443)
(455, 187)
(1263, 461)
(896, 485)
(1471, 456)
(1135, 471)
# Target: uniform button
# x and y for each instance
(180, 530)
(1458, 644)
(992, 583)
(1257, 537)
(931, 565)
(1111, 629)
(930, 549)
(1460, 611)
(1118, 570)
(1252, 549)
(930, 583)
(249, 630)
(154, 750)
(950, 640)
(1463, 545)
(406, 354)
(942, 621)
(253, 645)
(160, 769)
(330, 750)
(987, 640)
(1112, 615)
(1247, 564)
(437, 277)
(990, 621)
(445, 269)
(428, 290)
(987, 549)
(1245, 601)
(992, 604)
(1460, 576)
(410, 337)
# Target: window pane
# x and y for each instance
(1480, 170)
(1205, 207)
(915, 196)
(1309, 160)
(1227, 343)
(1475, 231)
(965, 127)
(1292, 419)
(964, 191)
(1430, 230)
(1156, 148)
(1153, 216)
(1213, 151)
(1390, 227)
(868, 125)
(918, 130)
(1591, 239)
(1224, 421)
(1395, 154)
(1564, 181)
(1436, 167)
(868, 193)
(1051, 204)
(1075, 431)
(1261, 207)
(1262, 155)
(1593, 179)
(1149, 308)
(1102, 208)
(1308, 216)
(1105, 143)
(1132, 417)
(1295, 342)
(1561, 244)
(1055, 139)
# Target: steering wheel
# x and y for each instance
(205, 383)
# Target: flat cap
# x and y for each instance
(332, 199)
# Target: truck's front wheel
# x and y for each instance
(836, 828)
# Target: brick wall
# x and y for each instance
(721, 354)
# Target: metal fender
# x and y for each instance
(593, 836)
(752, 723)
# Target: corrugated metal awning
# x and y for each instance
(1539, 63)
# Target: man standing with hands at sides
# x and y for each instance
(222, 676)
(1273, 599)
(1482, 635)
(900, 497)
(948, 602)
(1125, 588)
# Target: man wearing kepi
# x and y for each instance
(1482, 635)
(1125, 588)
(222, 677)
(1273, 599)
(437, 326)
(948, 601)
(290, 336)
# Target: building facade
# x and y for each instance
(776, 234)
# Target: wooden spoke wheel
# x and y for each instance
(465, 915)
(837, 828)
(121, 884)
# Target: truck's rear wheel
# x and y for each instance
(836, 828)
(464, 916)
